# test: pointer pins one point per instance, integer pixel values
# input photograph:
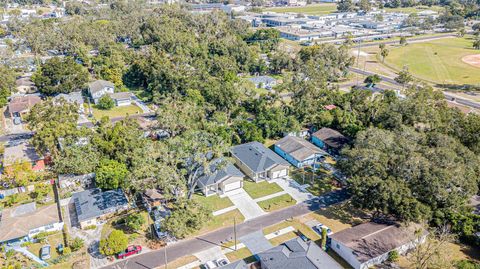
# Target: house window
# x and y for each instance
(50, 226)
(338, 246)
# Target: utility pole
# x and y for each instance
(235, 232)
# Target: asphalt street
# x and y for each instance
(156, 258)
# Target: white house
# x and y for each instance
(99, 88)
(369, 244)
(121, 98)
(21, 223)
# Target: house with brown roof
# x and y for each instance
(298, 151)
(20, 105)
(329, 139)
(23, 152)
(23, 222)
(369, 244)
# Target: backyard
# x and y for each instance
(319, 182)
(118, 111)
(438, 61)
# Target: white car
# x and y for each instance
(320, 228)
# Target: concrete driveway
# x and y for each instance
(210, 254)
(294, 189)
(245, 204)
(256, 242)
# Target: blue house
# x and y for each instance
(329, 139)
(298, 151)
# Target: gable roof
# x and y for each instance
(94, 203)
(73, 97)
(19, 221)
(332, 138)
(218, 175)
(297, 253)
(298, 148)
(121, 96)
(370, 240)
(99, 85)
(20, 151)
(257, 157)
(23, 103)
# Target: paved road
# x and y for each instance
(188, 247)
(368, 73)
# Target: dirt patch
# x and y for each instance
(473, 60)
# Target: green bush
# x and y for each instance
(114, 243)
(393, 256)
(10, 253)
(76, 244)
(67, 251)
(105, 102)
(467, 264)
(90, 227)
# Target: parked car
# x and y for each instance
(129, 251)
(210, 265)
(45, 252)
(222, 262)
(320, 228)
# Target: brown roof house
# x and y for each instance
(20, 105)
(23, 222)
(370, 243)
(329, 139)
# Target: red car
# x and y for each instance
(129, 251)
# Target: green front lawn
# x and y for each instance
(260, 189)
(118, 111)
(241, 254)
(221, 221)
(277, 203)
(213, 202)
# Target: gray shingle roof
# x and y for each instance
(296, 254)
(94, 203)
(332, 138)
(298, 148)
(99, 85)
(121, 95)
(257, 157)
(73, 97)
(217, 176)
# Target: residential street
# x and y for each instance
(187, 247)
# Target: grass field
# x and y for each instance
(415, 9)
(118, 111)
(316, 9)
(438, 61)
(260, 189)
(277, 203)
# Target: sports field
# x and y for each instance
(438, 60)
(315, 9)
(415, 9)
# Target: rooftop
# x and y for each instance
(121, 95)
(19, 221)
(94, 203)
(298, 148)
(332, 138)
(299, 254)
(73, 97)
(257, 157)
(99, 85)
(370, 240)
(262, 79)
(219, 171)
(20, 151)
(21, 104)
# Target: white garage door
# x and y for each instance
(232, 186)
(280, 173)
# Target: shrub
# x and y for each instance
(67, 250)
(393, 256)
(105, 102)
(10, 253)
(114, 243)
(76, 244)
(134, 221)
(90, 227)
